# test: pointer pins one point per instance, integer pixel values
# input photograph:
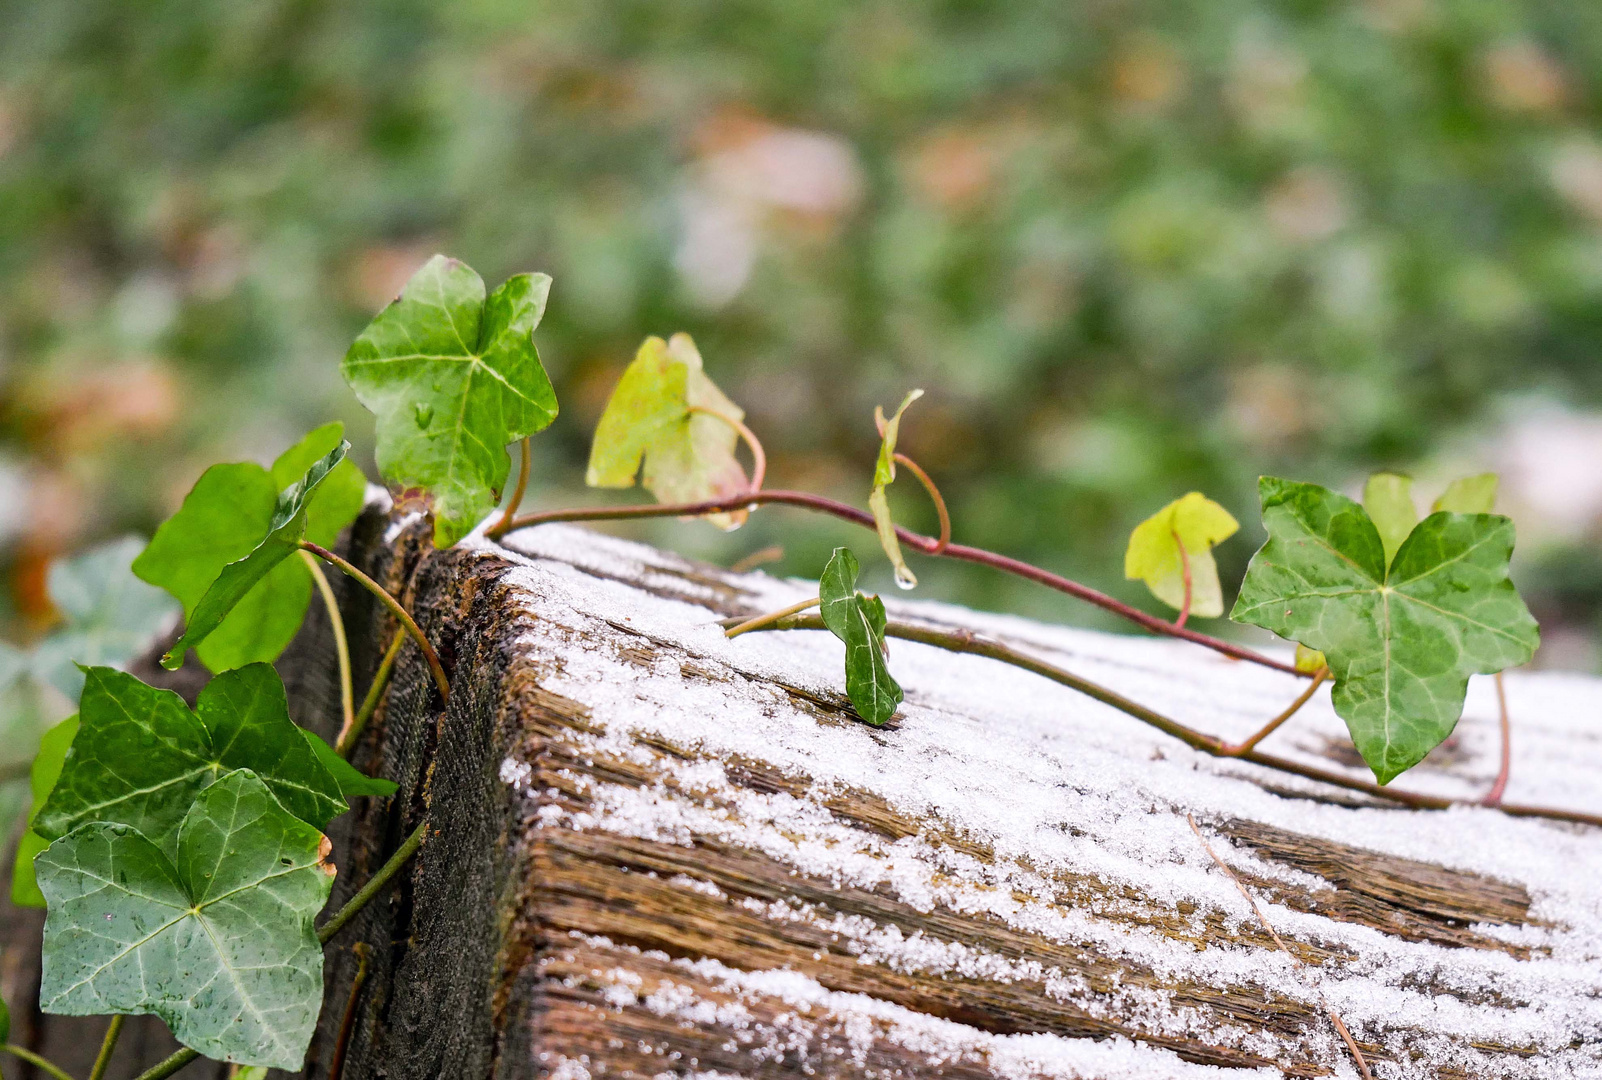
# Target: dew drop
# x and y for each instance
(904, 578)
(424, 413)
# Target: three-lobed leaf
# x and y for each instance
(213, 933)
(1182, 533)
(237, 581)
(884, 474)
(453, 377)
(42, 778)
(224, 518)
(141, 756)
(859, 622)
(668, 414)
(1402, 639)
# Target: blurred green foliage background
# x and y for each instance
(1130, 247)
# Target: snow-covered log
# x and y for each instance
(658, 851)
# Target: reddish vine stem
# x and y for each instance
(965, 641)
(1494, 797)
(516, 500)
(934, 496)
(395, 608)
(347, 1023)
(921, 543)
(1184, 569)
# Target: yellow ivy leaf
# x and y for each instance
(884, 473)
(1154, 553)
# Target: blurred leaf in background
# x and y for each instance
(1132, 249)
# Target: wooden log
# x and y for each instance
(654, 851)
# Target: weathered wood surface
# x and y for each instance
(658, 852)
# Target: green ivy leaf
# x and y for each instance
(1469, 495)
(46, 770)
(884, 474)
(351, 780)
(110, 615)
(213, 935)
(236, 580)
(141, 756)
(688, 456)
(1154, 554)
(5, 1023)
(858, 621)
(1388, 499)
(224, 517)
(1401, 641)
(453, 377)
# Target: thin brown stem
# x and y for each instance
(944, 540)
(40, 1062)
(918, 542)
(1242, 748)
(760, 557)
(347, 1024)
(1296, 961)
(1494, 796)
(510, 513)
(341, 646)
(12, 771)
(375, 694)
(965, 641)
(771, 617)
(759, 458)
(1184, 569)
(395, 608)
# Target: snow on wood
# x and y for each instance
(703, 864)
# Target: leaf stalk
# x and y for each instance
(40, 1062)
(395, 608)
(771, 617)
(944, 540)
(759, 458)
(1243, 748)
(374, 886)
(510, 513)
(341, 645)
(375, 694)
(107, 1045)
(1184, 570)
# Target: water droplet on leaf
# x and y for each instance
(424, 413)
(904, 578)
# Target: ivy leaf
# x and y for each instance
(858, 621)
(1308, 660)
(5, 1023)
(223, 518)
(46, 770)
(1469, 495)
(453, 377)
(110, 615)
(1154, 554)
(1388, 499)
(1401, 641)
(666, 412)
(141, 756)
(351, 780)
(214, 935)
(236, 580)
(884, 474)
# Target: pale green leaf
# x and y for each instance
(223, 519)
(1154, 554)
(859, 622)
(215, 936)
(1401, 641)
(1469, 495)
(1309, 660)
(1388, 499)
(351, 780)
(141, 756)
(884, 473)
(453, 377)
(285, 529)
(42, 779)
(667, 414)
(110, 615)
